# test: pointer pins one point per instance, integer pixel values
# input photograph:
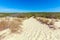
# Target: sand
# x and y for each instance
(33, 30)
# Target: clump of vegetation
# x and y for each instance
(14, 25)
(3, 25)
(35, 14)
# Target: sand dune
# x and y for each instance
(32, 30)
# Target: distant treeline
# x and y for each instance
(35, 14)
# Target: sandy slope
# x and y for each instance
(34, 30)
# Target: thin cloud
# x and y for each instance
(57, 9)
(2, 9)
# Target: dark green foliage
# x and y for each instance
(35, 14)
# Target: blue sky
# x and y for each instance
(29, 5)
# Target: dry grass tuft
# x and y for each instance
(13, 25)
(3, 25)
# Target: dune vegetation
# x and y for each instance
(35, 14)
(30, 26)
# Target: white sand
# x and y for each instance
(34, 30)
